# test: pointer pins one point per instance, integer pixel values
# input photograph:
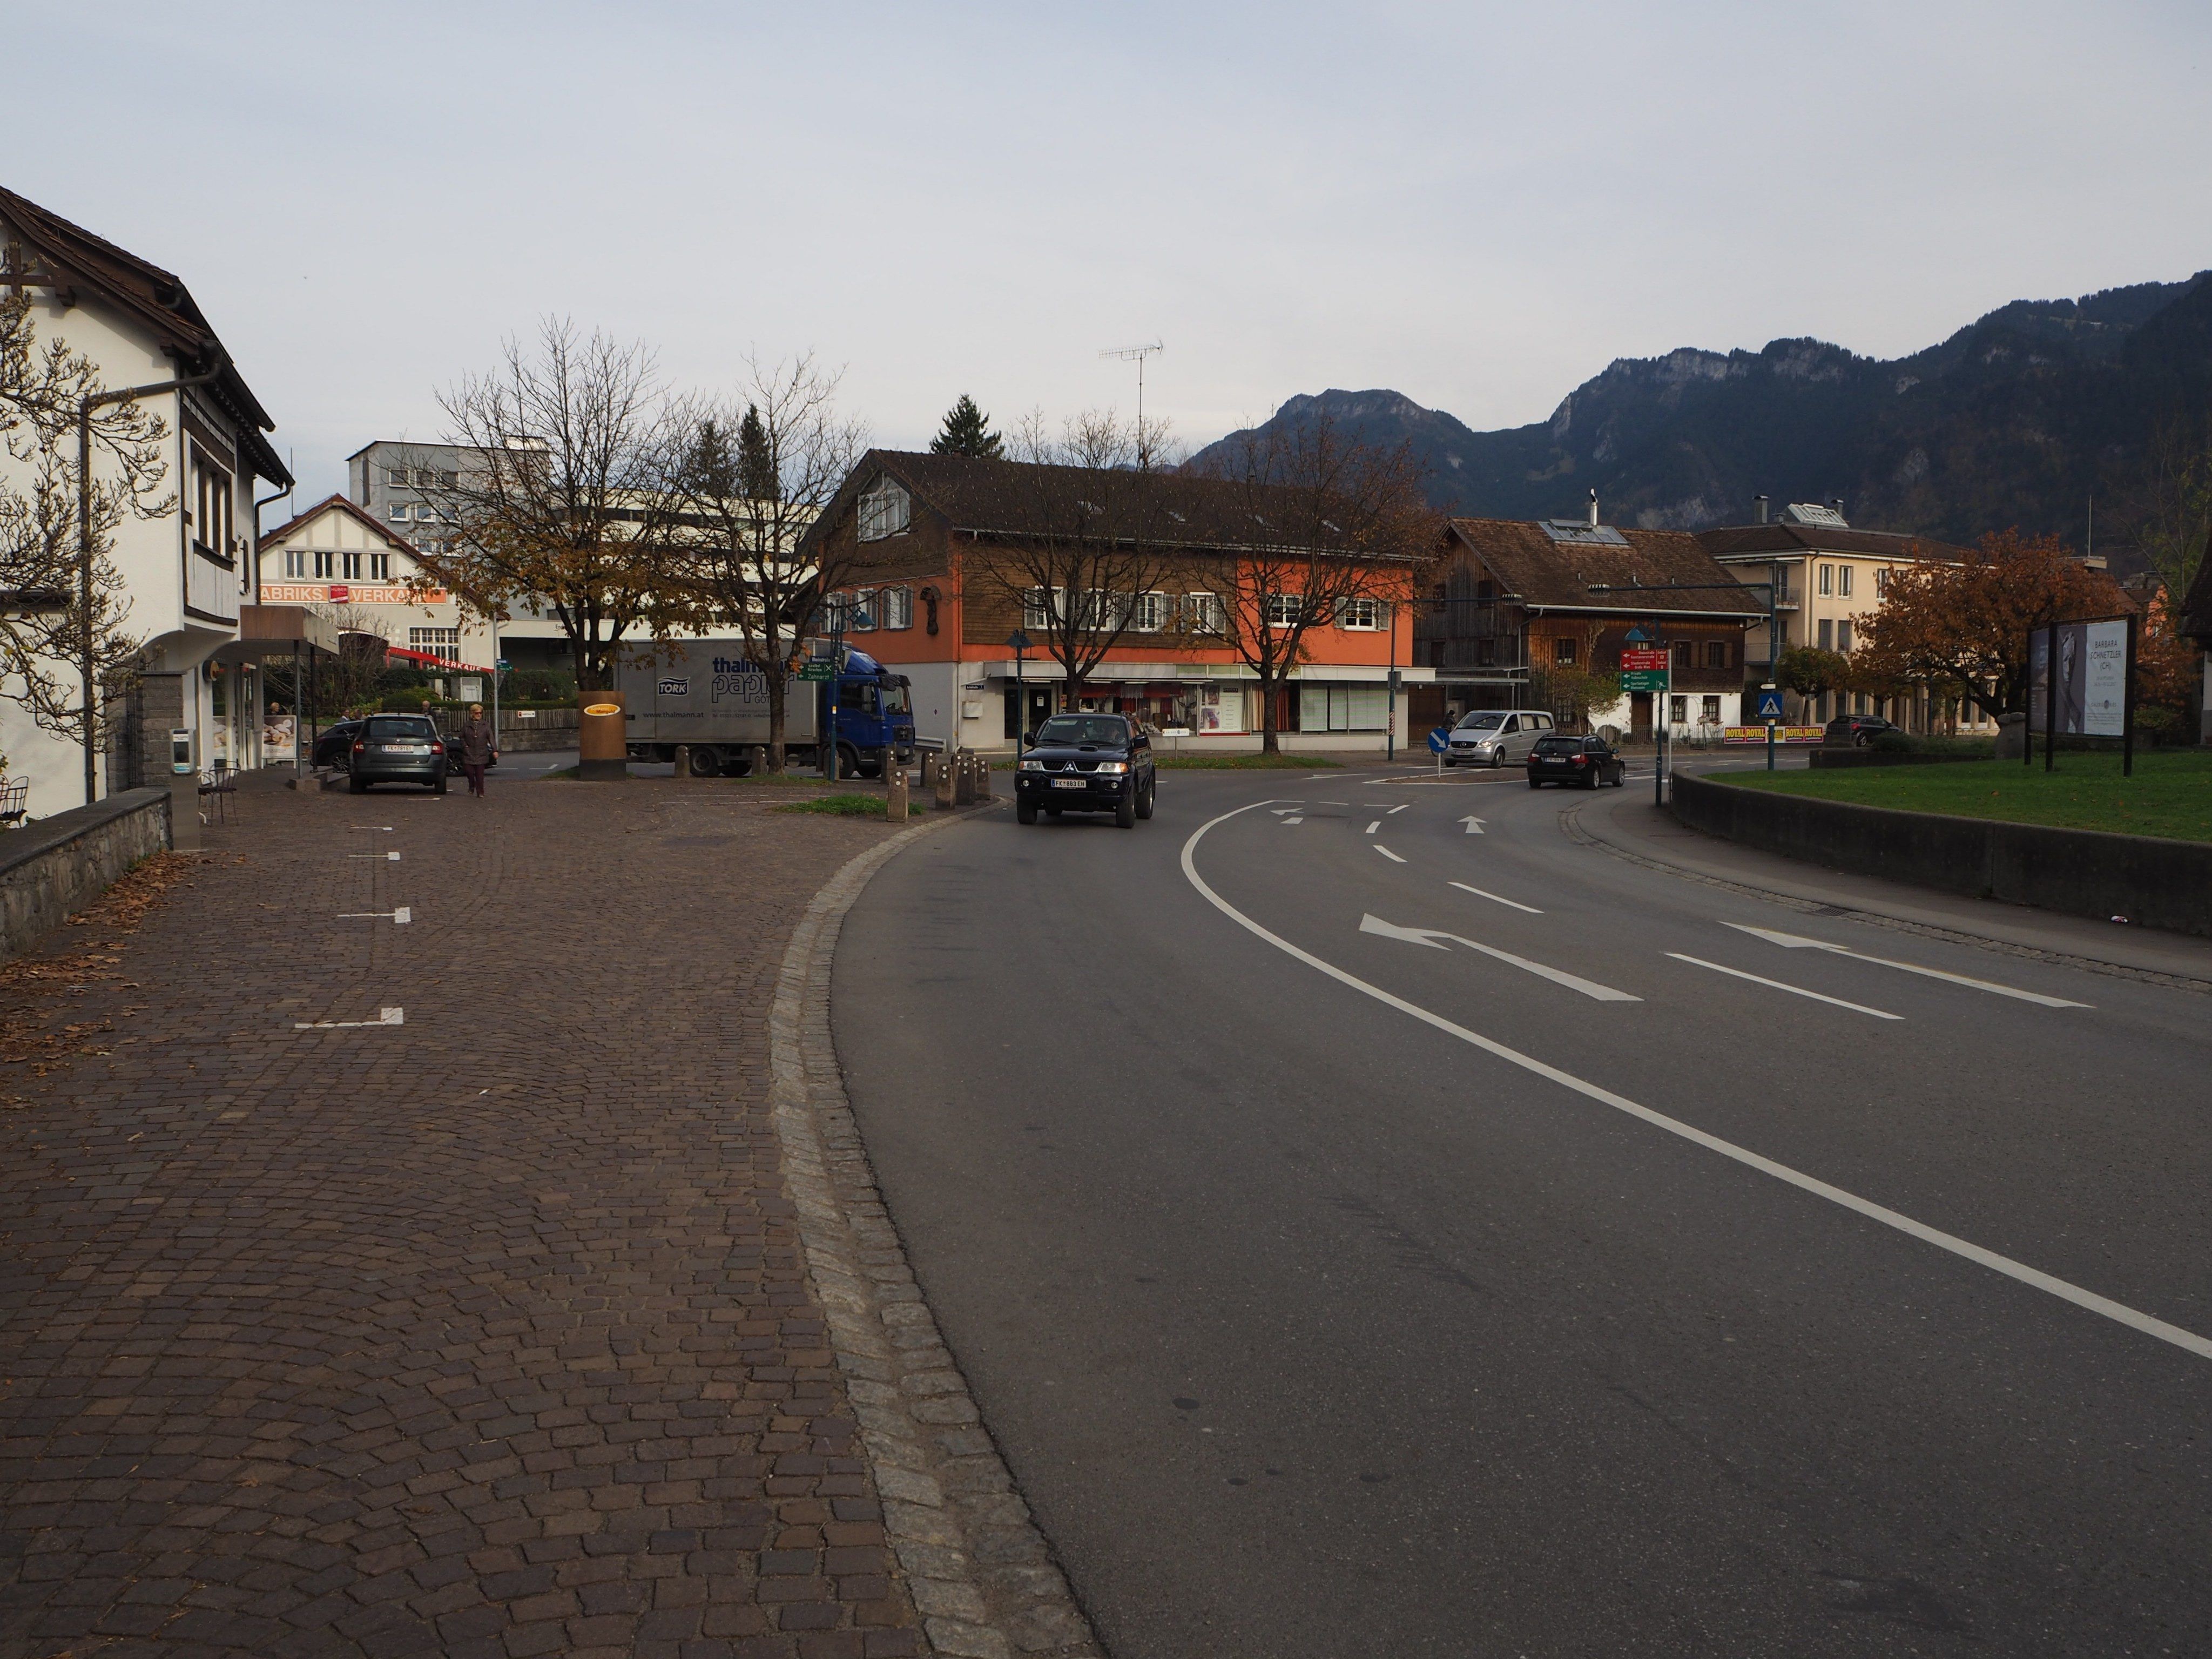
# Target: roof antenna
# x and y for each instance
(1138, 353)
(1593, 507)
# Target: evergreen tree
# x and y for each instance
(967, 431)
(756, 469)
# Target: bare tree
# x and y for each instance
(42, 620)
(749, 484)
(1093, 546)
(1335, 524)
(560, 503)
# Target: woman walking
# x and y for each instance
(477, 750)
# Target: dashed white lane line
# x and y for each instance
(1399, 807)
(1509, 904)
(1373, 827)
(385, 1017)
(400, 917)
(1385, 853)
(1299, 819)
(2020, 1271)
(1775, 984)
(384, 857)
(1799, 942)
(373, 828)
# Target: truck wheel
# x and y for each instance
(1024, 811)
(705, 762)
(1124, 812)
(848, 763)
(740, 764)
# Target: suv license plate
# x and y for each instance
(1070, 783)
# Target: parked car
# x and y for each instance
(335, 746)
(1086, 764)
(397, 749)
(1493, 736)
(1855, 730)
(1588, 761)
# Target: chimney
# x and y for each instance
(1762, 508)
(1592, 518)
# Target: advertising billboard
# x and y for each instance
(2091, 693)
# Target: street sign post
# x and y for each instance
(502, 665)
(817, 672)
(1649, 668)
(1018, 642)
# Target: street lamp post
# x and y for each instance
(1018, 642)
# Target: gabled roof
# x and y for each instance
(1735, 540)
(340, 504)
(73, 262)
(1015, 498)
(1535, 569)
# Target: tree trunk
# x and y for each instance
(775, 670)
(1269, 743)
(587, 672)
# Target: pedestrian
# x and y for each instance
(476, 750)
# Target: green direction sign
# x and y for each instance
(502, 665)
(1644, 679)
(817, 670)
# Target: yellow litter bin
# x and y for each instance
(601, 736)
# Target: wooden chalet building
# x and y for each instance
(1514, 607)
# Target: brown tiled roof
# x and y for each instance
(1724, 540)
(1017, 498)
(78, 261)
(1544, 574)
(344, 504)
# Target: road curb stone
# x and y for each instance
(981, 1577)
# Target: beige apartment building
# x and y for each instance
(1829, 580)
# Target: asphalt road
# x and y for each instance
(1333, 1289)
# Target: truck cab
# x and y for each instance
(875, 712)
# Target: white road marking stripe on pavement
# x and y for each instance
(1508, 903)
(1793, 990)
(1429, 936)
(388, 1017)
(392, 857)
(374, 828)
(1799, 942)
(1296, 820)
(1373, 827)
(2119, 1312)
(1399, 807)
(1388, 854)
(1336, 803)
(401, 916)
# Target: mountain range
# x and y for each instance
(2018, 419)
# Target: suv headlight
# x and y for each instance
(1032, 766)
(1113, 767)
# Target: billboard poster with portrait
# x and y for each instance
(280, 736)
(2092, 673)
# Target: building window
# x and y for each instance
(1828, 579)
(1040, 607)
(1827, 635)
(895, 608)
(1844, 581)
(1359, 615)
(397, 512)
(1717, 653)
(326, 564)
(1201, 613)
(1678, 710)
(295, 562)
(860, 612)
(211, 498)
(379, 567)
(1563, 652)
(1881, 582)
(885, 510)
(352, 566)
(1285, 610)
(396, 477)
(443, 643)
(1149, 613)
(1711, 714)
(1844, 634)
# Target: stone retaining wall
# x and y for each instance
(2148, 881)
(60, 864)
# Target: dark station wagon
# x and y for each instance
(1585, 761)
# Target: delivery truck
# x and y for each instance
(710, 697)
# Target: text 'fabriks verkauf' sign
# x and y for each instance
(349, 593)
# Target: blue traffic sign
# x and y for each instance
(1769, 705)
(1439, 740)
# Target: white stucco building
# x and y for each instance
(185, 573)
(337, 559)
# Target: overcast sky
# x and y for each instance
(1479, 205)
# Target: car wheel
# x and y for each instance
(356, 786)
(1497, 759)
(1124, 812)
(1144, 801)
(439, 787)
(705, 762)
(1592, 782)
(1860, 740)
(1448, 761)
(1024, 811)
(1535, 783)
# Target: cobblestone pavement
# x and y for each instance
(487, 1333)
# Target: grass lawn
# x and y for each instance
(848, 806)
(1241, 762)
(2170, 795)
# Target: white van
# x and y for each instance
(1495, 736)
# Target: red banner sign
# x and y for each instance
(1644, 661)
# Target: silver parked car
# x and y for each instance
(1495, 736)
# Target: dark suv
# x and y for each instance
(1086, 764)
(397, 749)
(1856, 730)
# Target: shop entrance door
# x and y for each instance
(1639, 716)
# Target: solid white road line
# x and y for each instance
(401, 917)
(392, 857)
(2018, 1270)
(1334, 802)
(1793, 990)
(374, 828)
(1373, 827)
(1799, 942)
(1387, 853)
(1508, 903)
(1429, 936)
(386, 1017)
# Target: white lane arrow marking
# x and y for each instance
(1775, 984)
(1473, 823)
(1429, 936)
(386, 1017)
(1279, 810)
(1508, 903)
(1799, 942)
(1386, 852)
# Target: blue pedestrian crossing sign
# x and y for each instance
(1769, 705)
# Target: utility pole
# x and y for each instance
(1138, 353)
